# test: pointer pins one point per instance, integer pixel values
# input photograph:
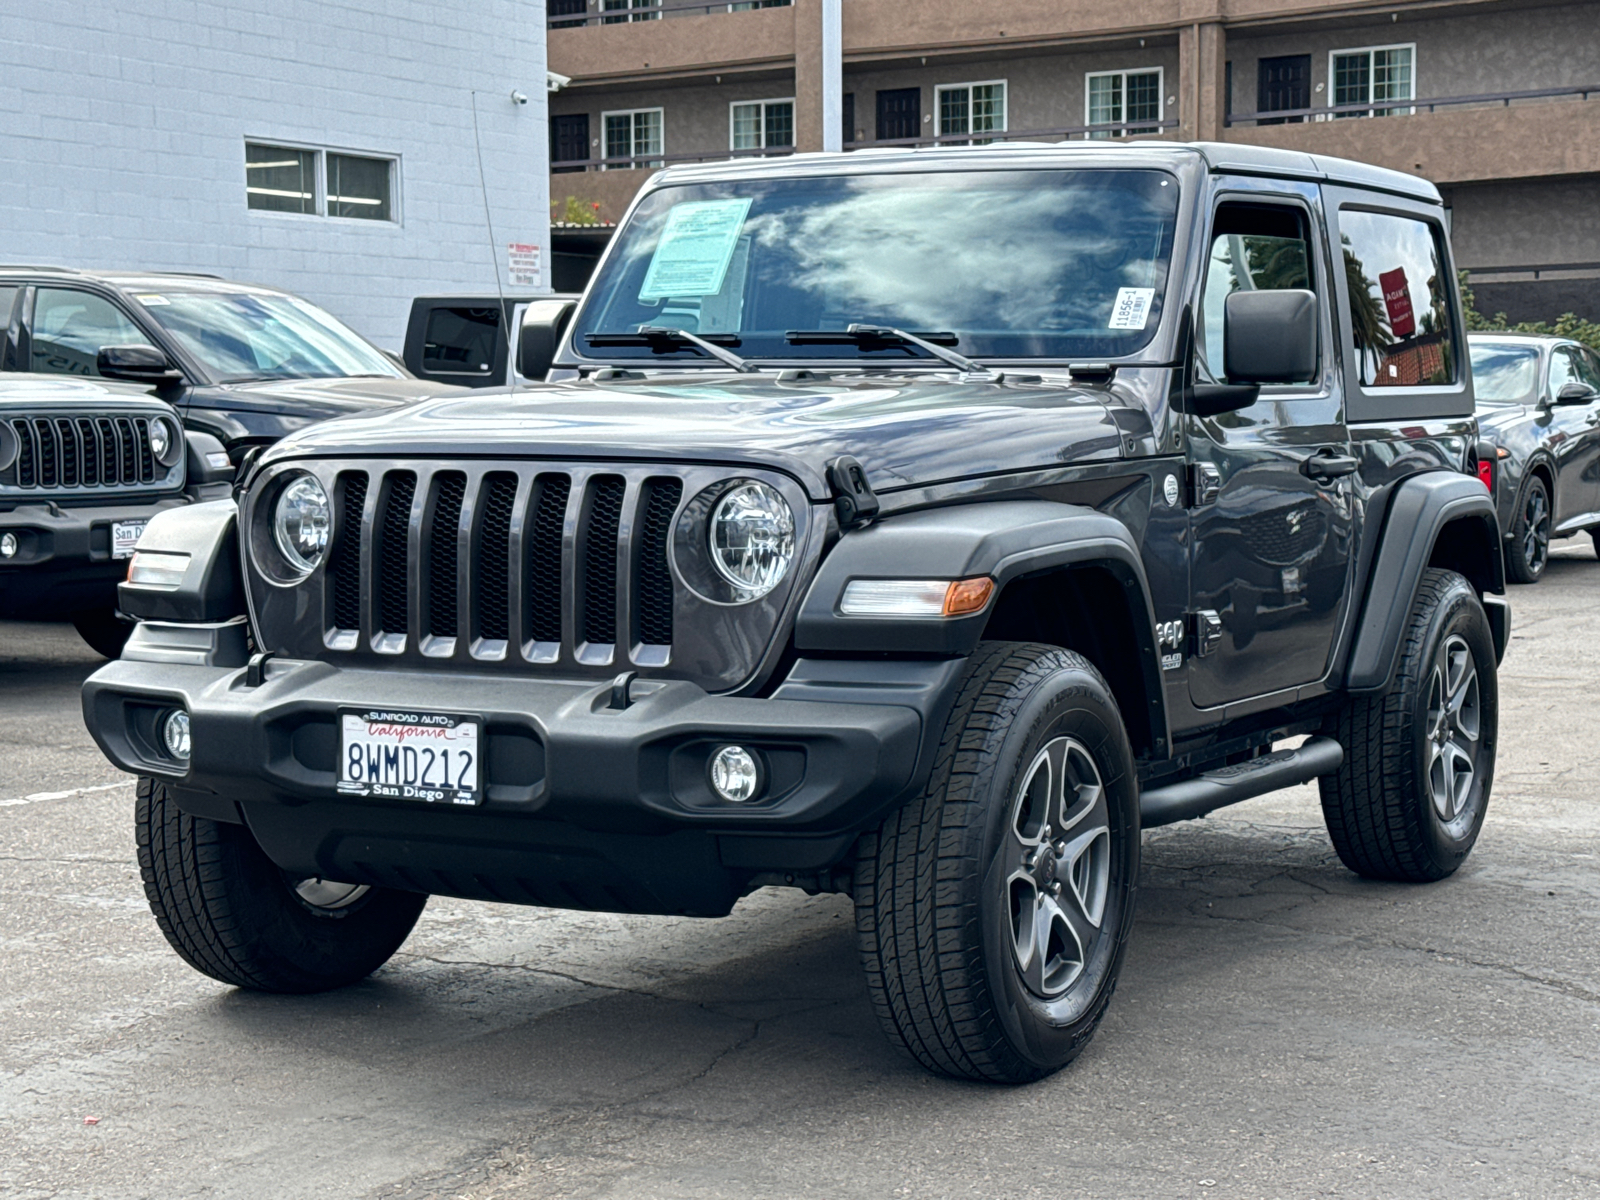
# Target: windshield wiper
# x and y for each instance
(855, 334)
(652, 335)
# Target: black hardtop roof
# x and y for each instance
(1220, 157)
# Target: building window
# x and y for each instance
(280, 179)
(1371, 75)
(633, 135)
(628, 10)
(747, 5)
(972, 108)
(1122, 98)
(313, 182)
(761, 124)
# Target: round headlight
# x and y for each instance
(301, 523)
(752, 539)
(164, 443)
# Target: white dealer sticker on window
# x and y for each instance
(692, 257)
(1132, 308)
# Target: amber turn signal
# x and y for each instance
(965, 596)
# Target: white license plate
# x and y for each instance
(125, 536)
(401, 754)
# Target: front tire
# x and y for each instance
(1529, 552)
(994, 911)
(104, 631)
(230, 913)
(1409, 800)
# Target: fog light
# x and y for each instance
(9, 545)
(175, 733)
(735, 774)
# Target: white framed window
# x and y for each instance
(1369, 74)
(321, 182)
(634, 134)
(1123, 98)
(971, 108)
(761, 124)
(619, 12)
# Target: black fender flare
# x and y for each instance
(1004, 539)
(1419, 510)
(212, 588)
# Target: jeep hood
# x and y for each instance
(906, 430)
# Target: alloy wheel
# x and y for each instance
(1536, 530)
(1453, 732)
(1058, 842)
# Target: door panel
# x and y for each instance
(1574, 440)
(569, 141)
(899, 114)
(1283, 83)
(1271, 544)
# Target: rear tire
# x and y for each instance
(994, 911)
(230, 913)
(1528, 553)
(105, 632)
(1409, 800)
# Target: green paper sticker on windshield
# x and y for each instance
(692, 257)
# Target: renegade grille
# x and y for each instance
(494, 561)
(83, 452)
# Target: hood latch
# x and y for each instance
(853, 497)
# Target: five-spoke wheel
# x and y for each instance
(1530, 550)
(1453, 726)
(1059, 846)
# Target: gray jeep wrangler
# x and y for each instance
(918, 526)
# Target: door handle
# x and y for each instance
(1327, 463)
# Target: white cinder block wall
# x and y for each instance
(123, 126)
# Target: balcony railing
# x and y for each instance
(571, 14)
(1404, 107)
(1065, 133)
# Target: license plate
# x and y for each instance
(401, 754)
(125, 536)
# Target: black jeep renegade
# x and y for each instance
(912, 525)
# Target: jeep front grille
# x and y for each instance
(561, 569)
(443, 555)
(83, 452)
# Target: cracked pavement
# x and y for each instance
(1282, 1028)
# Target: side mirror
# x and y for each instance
(543, 323)
(1270, 337)
(1576, 393)
(139, 364)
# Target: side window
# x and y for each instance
(1254, 247)
(460, 341)
(8, 297)
(1563, 369)
(1399, 300)
(70, 326)
(1588, 367)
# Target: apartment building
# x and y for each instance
(1496, 101)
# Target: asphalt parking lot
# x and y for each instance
(1283, 1028)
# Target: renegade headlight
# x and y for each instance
(301, 523)
(752, 538)
(164, 442)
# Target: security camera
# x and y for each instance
(518, 97)
(555, 81)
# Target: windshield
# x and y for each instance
(1000, 264)
(264, 335)
(1502, 373)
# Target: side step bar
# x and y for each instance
(1190, 798)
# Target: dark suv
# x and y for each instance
(243, 363)
(910, 525)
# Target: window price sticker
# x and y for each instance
(1132, 308)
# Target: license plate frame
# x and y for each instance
(125, 536)
(411, 755)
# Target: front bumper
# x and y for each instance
(63, 562)
(605, 797)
